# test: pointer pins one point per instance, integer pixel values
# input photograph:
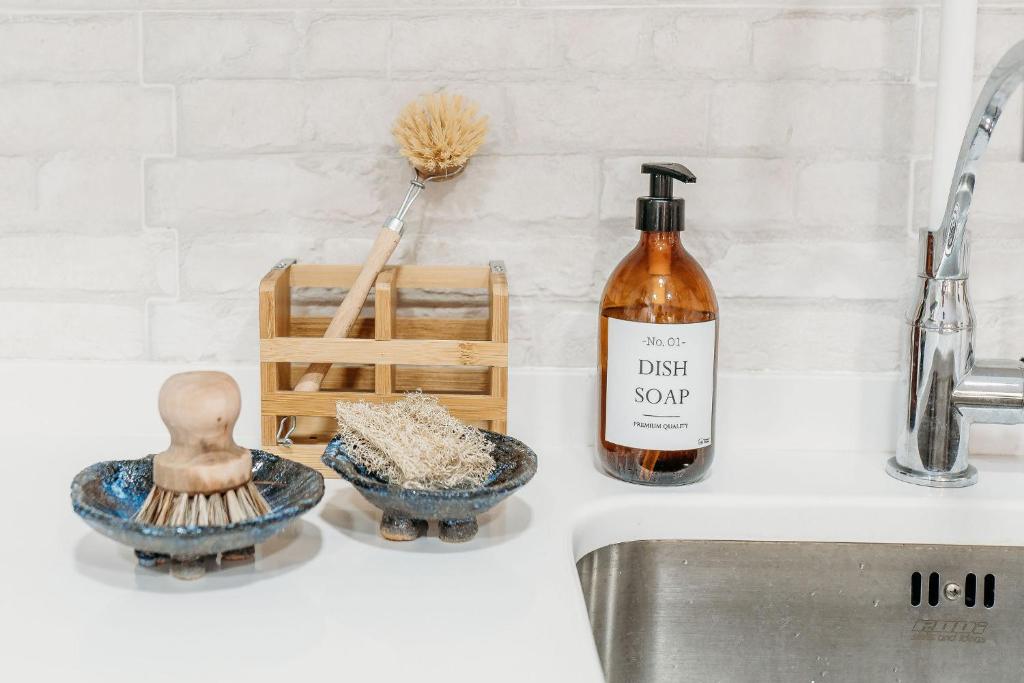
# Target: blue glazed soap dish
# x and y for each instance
(108, 494)
(406, 511)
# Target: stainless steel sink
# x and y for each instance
(772, 611)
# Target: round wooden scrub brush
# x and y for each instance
(438, 134)
(204, 478)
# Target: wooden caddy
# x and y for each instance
(461, 361)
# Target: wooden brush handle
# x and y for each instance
(348, 311)
(200, 410)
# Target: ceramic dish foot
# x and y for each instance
(398, 528)
(188, 567)
(246, 554)
(150, 560)
(455, 509)
(457, 530)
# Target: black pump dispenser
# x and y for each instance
(659, 212)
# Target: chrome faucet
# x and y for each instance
(944, 388)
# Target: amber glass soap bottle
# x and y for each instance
(658, 349)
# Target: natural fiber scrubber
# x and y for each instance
(415, 443)
(438, 134)
(204, 478)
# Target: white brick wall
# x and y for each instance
(157, 156)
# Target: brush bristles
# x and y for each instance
(170, 508)
(440, 132)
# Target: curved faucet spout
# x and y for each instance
(945, 254)
(945, 388)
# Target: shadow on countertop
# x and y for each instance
(351, 514)
(113, 564)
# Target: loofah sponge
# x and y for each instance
(415, 443)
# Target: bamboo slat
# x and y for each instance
(410, 277)
(437, 380)
(474, 329)
(499, 333)
(385, 303)
(275, 305)
(321, 403)
(395, 351)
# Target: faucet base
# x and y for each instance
(943, 480)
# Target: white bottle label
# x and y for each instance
(661, 385)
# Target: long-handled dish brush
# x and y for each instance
(204, 478)
(438, 134)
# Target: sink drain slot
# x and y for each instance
(990, 590)
(915, 589)
(933, 589)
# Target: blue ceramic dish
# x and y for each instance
(406, 511)
(108, 494)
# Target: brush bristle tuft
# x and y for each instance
(170, 508)
(438, 133)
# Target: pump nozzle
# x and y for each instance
(662, 176)
(659, 212)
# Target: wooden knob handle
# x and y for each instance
(200, 410)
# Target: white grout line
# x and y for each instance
(151, 301)
(919, 47)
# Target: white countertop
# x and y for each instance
(331, 598)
